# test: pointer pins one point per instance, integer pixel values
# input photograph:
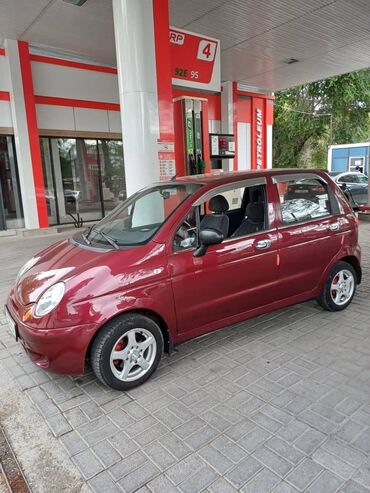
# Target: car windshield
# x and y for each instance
(361, 178)
(138, 218)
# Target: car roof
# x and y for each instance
(221, 178)
(337, 173)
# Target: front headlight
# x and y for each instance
(50, 299)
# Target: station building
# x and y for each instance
(99, 98)
(349, 157)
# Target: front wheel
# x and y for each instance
(339, 287)
(126, 351)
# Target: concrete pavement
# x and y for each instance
(279, 403)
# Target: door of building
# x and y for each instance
(11, 212)
(2, 211)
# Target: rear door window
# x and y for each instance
(303, 199)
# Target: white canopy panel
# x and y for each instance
(259, 38)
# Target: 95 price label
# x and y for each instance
(186, 74)
(206, 50)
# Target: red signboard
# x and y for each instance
(259, 133)
(195, 60)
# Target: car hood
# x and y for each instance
(87, 272)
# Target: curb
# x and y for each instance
(10, 470)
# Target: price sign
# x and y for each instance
(195, 60)
(166, 157)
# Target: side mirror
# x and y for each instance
(208, 237)
(343, 186)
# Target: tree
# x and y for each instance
(308, 118)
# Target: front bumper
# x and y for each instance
(61, 350)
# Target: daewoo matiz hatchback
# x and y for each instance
(180, 259)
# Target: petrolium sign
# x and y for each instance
(259, 137)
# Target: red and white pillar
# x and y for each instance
(145, 86)
(26, 134)
(249, 116)
(229, 120)
(269, 124)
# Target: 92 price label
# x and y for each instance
(181, 72)
(206, 50)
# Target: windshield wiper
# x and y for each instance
(89, 231)
(85, 238)
(110, 240)
(106, 237)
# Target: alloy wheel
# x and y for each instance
(133, 355)
(342, 287)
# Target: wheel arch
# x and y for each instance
(352, 260)
(167, 339)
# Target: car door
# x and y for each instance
(356, 186)
(236, 276)
(310, 233)
(359, 188)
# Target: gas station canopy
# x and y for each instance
(270, 45)
(173, 87)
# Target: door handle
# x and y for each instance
(262, 244)
(333, 226)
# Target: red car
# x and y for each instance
(180, 259)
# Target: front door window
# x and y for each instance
(246, 214)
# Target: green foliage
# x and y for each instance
(308, 118)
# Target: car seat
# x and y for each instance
(218, 220)
(254, 219)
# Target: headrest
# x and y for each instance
(256, 196)
(218, 204)
(255, 212)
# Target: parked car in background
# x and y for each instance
(71, 196)
(356, 183)
(180, 259)
(304, 189)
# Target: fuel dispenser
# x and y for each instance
(189, 125)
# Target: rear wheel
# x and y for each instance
(339, 287)
(127, 351)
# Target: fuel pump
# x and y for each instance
(198, 149)
(188, 122)
(190, 152)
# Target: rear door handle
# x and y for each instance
(262, 244)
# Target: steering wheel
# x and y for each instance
(185, 231)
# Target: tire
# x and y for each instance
(332, 298)
(137, 342)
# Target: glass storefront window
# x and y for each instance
(80, 179)
(112, 173)
(82, 176)
(11, 211)
(49, 181)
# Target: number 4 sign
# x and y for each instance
(206, 50)
(195, 60)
